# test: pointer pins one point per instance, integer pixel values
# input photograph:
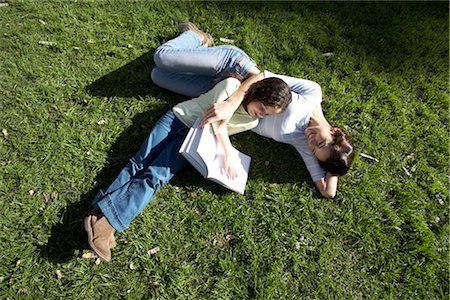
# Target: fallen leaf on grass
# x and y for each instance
(369, 157)
(406, 171)
(229, 237)
(226, 40)
(228, 240)
(46, 43)
(299, 242)
(98, 261)
(153, 251)
(5, 133)
(89, 255)
(47, 197)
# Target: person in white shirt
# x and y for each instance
(188, 66)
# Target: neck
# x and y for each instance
(317, 118)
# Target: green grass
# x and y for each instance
(73, 112)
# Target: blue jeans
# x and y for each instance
(185, 66)
(157, 161)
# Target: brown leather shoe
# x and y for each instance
(206, 38)
(112, 242)
(100, 235)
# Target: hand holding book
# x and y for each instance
(203, 151)
(231, 161)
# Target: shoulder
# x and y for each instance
(228, 84)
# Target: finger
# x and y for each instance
(207, 120)
(227, 172)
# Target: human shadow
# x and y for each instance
(68, 237)
(130, 80)
(271, 160)
(133, 81)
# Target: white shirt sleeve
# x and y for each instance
(289, 126)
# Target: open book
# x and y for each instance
(201, 149)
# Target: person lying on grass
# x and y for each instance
(158, 159)
(188, 66)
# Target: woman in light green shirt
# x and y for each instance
(158, 159)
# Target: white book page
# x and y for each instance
(188, 150)
(218, 174)
(208, 148)
(201, 149)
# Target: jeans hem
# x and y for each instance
(244, 66)
(108, 210)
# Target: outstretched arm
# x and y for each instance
(222, 111)
(328, 185)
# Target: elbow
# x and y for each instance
(327, 194)
(316, 88)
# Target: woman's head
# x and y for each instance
(267, 97)
(332, 147)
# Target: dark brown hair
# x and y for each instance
(271, 91)
(342, 154)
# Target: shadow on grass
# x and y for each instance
(382, 32)
(272, 162)
(130, 80)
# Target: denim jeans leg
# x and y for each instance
(157, 165)
(148, 150)
(216, 63)
(190, 85)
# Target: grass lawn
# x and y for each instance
(76, 101)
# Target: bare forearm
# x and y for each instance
(230, 154)
(223, 111)
(254, 75)
(224, 141)
(328, 185)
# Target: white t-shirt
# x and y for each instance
(289, 126)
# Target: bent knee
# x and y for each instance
(155, 75)
(157, 57)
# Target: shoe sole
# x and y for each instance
(88, 228)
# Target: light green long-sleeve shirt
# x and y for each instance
(188, 111)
